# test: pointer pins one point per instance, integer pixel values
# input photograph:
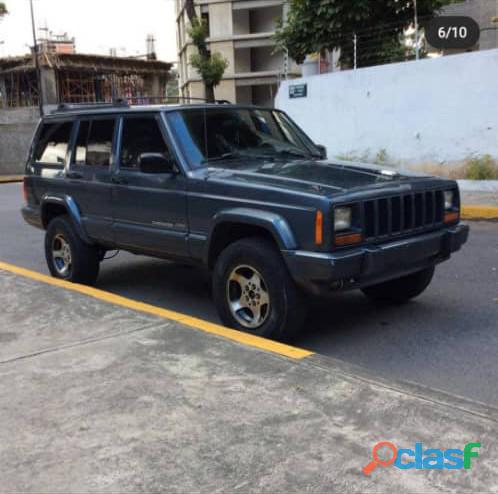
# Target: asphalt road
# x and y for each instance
(447, 339)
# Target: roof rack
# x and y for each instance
(127, 102)
(62, 107)
(167, 99)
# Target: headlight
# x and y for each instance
(449, 199)
(342, 219)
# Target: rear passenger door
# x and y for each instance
(89, 175)
(149, 209)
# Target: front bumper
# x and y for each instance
(358, 267)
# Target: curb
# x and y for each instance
(9, 179)
(247, 339)
(479, 212)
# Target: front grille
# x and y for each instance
(391, 216)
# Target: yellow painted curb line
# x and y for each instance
(193, 322)
(479, 212)
(8, 179)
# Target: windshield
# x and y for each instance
(209, 135)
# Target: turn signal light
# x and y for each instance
(319, 228)
(348, 239)
(451, 216)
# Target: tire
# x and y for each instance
(76, 261)
(402, 289)
(275, 298)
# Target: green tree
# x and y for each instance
(3, 10)
(211, 66)
(320, 25)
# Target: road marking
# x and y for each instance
(479, 212)
(193, 322)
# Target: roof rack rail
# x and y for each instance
(167, 99)
(127, 102)
(63, 107)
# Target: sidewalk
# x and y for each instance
(99, 397)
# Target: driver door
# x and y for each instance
(149, 208)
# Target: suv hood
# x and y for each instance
(312, 176)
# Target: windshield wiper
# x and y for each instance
(294, 152)
(226, 156)
(232, 156)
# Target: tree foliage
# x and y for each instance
(3, 9)
(211, 66)
(319, 25)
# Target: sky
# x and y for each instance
(97, 25)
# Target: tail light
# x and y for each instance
(25, 189)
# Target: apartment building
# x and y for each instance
(242, 31)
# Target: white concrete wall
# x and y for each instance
(439, 110)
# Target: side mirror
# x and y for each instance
(322, 150)
(156, 163)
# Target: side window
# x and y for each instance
(94, 142)
(52, 143)
(140, 135)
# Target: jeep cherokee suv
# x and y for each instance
(241, 190)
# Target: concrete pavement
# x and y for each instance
(97, 397)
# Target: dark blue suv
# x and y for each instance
(241, 190)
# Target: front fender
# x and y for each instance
(275, 224)
(69, 204)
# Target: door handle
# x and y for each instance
(119, 180)
(74, 175)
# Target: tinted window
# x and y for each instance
(53, 142)
(219, 134)
(94, 142)
(140, 135)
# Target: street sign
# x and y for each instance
(298, 91)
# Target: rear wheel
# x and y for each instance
(402, 289)
(68, 257)
(254, 292)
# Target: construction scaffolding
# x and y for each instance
(76, 78)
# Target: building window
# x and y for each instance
(205, 20)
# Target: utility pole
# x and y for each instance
(37, 63)
(417, 51)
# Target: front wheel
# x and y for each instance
(401, 289)
(254, 292)
(68, 257)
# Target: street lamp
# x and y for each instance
(37, 63)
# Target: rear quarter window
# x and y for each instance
(53, 142)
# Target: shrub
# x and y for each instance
(481, 168)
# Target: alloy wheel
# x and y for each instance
(248, 297)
